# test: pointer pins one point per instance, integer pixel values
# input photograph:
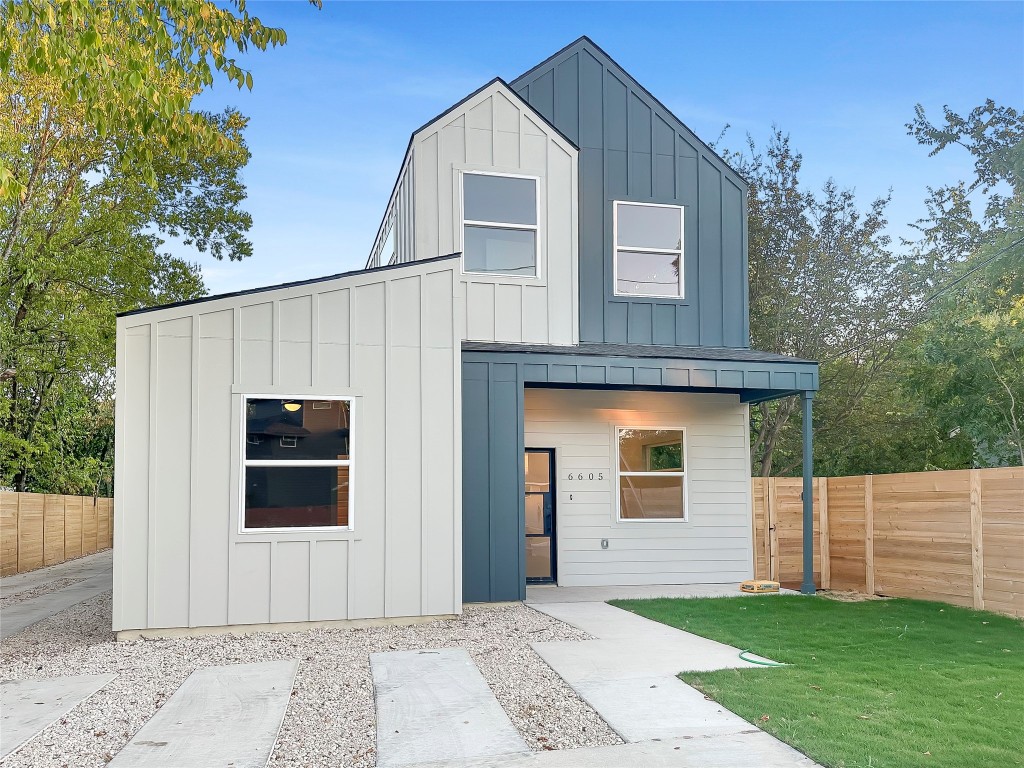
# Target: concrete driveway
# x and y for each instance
(30, 597)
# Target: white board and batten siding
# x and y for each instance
(388, 340)
(712, 546)
(495, 131)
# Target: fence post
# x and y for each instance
(869, 535)
(773, 535)
(823, 532)
(977, 542)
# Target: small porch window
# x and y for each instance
(651, 474)
(297, 464)
(648, 250)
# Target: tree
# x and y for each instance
(132, 68)
(81, 243)
(824, 285)
(968, 366)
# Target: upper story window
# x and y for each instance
(648, 250)
(297, 464)
(499, 220)
(388, 253)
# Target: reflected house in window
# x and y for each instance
(297, 463)
(542, 375)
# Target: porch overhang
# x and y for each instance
(752, 375)
(496, 373)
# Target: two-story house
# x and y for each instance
(542, 374)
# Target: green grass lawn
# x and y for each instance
(882, 683)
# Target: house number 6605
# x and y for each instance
(586, 476)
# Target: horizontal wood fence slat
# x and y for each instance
(45, 529)
(955, 536)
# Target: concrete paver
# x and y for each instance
(220, 716)
(30, 706)
(435, 705)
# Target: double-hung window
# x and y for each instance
(651, 473)
(297, 468)
(648, 250)
(499, 224)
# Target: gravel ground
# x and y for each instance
(42, 589)
(330, 719)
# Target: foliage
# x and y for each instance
(968, 364)
(81, 243)
(920, 344)
(894, 683)
(824, 285)
(133, 68)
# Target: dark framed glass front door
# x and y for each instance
(540, 515)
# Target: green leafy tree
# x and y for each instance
(825, 285)
(133, 67)
(968, 364)
(80, 243)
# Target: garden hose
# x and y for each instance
(743, 656)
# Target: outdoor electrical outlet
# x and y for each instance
(604, 543)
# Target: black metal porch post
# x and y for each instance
(807, 587)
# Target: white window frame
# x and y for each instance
(535, 228)
(619, 474)
(389, 238)
(636, 249)
(246, 463)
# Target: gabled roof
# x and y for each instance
(584, 43)
(511, 92)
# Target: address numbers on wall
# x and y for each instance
(585, 475)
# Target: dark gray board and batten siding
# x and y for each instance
(493, 500)
(632, 148)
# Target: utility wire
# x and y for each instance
(925, 302)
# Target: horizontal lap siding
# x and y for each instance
(387, 341)
(714, 545)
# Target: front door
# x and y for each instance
(540, 515)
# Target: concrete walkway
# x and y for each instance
(736, 751)
(93, 576)
(435, 705)
(31, 706)
(220, 716)
(628, 675)
(539, 594)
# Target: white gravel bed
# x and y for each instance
(330, 719)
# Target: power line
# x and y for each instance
(925, 302)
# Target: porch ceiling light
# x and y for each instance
(292, 407)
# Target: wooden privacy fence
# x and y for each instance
(955, 536)
(38, 529)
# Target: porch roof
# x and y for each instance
(752, 374)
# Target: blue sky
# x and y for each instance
(331, 112)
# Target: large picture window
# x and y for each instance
(651, 473)
(297, 468)
(648, 250)
(499, 224)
